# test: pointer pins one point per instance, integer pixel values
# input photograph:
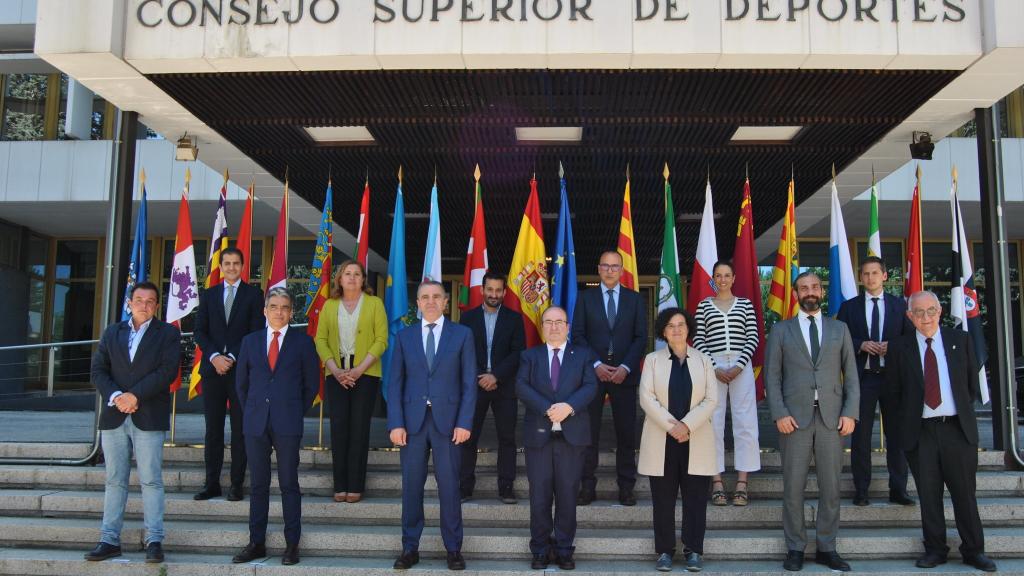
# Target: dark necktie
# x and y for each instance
(430, 346)
(932, 396)
(556, 369)
(815, 344)
(876, 336)
(611, 319)
(275, 347)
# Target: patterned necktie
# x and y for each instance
(229, 302)
(932, 396)
(876, 335)
(556, 369)
(815, 343)
(275, 347)
(430, 346)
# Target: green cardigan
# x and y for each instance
(371, 333)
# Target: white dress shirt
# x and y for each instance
(225, 299)
(604, 302)
(805, 329)
(556, 426)
(438, 325)
(280, 339)
(946, 407)
(868, 307)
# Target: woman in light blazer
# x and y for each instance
(678, 394)
(351, 336)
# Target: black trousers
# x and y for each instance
(871, 386)
(664, 493)
(286, 449)
(350, 410)
(505, 411)
(218, 391)
(554, 474)
(623, 401)
(943, 455)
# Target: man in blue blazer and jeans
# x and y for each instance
(431, 400)
(277, 377)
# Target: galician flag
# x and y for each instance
(396, 290)
(470, 295)
(781, 297)
(841, 283)
(137, 266)
(363, 237)
(244, 240)
(874, 236)
(627, 247)
(528, 291)
(432, 255)
(701, 284)
(318, 289)
(563, 265)
(279, 264)
(670, 293)
(183, 296)
(964, 306)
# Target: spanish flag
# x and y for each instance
(627, 248)
(529, 292)
(781, 298)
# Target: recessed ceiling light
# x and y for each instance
(340, 135)
(548, 134)
(766, 133)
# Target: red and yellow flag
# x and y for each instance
(626, 247)
(748, 279)
(244, 240)
(781, 298)
(470, 294)
(914, 280)
(529, 292)
(318, 289)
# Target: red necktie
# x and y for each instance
(932, 396)
(273, 350)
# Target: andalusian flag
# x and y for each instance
(874, 236)
(244, 240)
(470, 294)
(363, 237)
(701, 283)
(529, 293)
(183, 296)
(137, 265)
(670, 293)
(781, 298)
(279, 264)
(218, 243)
(318, 289)
(627, 248)
(432, 255)
(914, 281)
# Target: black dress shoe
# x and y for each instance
(154, 553)
(540, 562)
(207, 493)
(234, 494)
(930, 560)
(585, 498)
(900, 498)
(102, 551)
(250, 553)
(566, 563)
(794, 561)
(291, 555)
(407, 560)
(981, 562)
(861, 500)
(627, 498)
(456, 561)
(508, 497)
(832, 560)
(466, 498)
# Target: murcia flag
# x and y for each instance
(183, 295)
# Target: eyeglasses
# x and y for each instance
(612, 267)
(276, 308)
(555, 323)
(930, 312)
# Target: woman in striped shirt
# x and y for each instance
(727, 332)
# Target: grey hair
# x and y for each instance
(281, 292)
(430, 282)
(923, 294)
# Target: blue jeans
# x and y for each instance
(149, 455)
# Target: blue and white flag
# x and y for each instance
(842, 284)
(137, 266)
(432, 254)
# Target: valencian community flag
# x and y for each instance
(279, 264)
(396, 290)
(701, 283)
(781, 299)
(318, 289)
(563, 265)
(841, 283)
(627, 247)
(874, 235)
(748, 279)
(914, 282)
(137, 265)
(470, 294)
(670, 292)
(183, 295)
(218, 243)
(964, 307)
(244, 240)
(432, 254)
(529, 293)
(363, 237)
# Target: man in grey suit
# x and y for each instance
(814, 397)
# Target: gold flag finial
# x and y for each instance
(833, 171)
(188, 176)
(665, 172)
(917, 173)
(476, 172)
(399, 173)
(954, 174)
(435, 175)
(142, 176)
(747, 168)
(627, 171)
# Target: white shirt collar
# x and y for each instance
(439, 323)
(817, 314)
(131, 325)
(561, 348)
(235, 283)
(614, 289)
(270, 332)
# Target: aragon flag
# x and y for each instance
(183, 295)
(748, 280)
(470, 295)
(528, 292)
(781, 298)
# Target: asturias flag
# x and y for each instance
(318, 289)
(137, 266)
(563, 265)
(183, 296)
(841, 283)
(701, 284)
(470, 294)
(964, 306)
(781, 298)
(529, 293)
(748, 279)
(396, 291)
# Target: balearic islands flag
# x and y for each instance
(964, 306)
(701, 284)
(470, 295)
(529, 293)
(183, 295)
(218, 243)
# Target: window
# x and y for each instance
(24, 107)
(74, 304)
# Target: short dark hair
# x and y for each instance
(666, 315)
(430, 282)
(872, 260)
(723, 263)
(616, 252)
(495, 276)
(805, 274)
(226, 251)
(145, 286)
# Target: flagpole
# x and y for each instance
(174, 414)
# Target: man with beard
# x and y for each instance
(814, 397)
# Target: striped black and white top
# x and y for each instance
(734, 331)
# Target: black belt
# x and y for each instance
(557, 434)
(879, 372)
(939, 419)
(609, 359)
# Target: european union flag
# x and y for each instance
(563, 274)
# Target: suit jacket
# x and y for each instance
(905, 376)
(450, 384)
(654, 401)
(148, 376)
(508, 342)
(577, 386)
(895, 324)
(371, 333)
(215, 333)
(278, 397)
(629, 334)
(791, 377)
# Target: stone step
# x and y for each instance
(51, 562)
(389, 483)
(480, 542)
(486, 512)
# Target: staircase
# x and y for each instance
(49, 516)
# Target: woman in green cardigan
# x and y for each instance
(350, 339)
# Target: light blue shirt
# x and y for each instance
(615, 296)
(490, 321)
(134, 338)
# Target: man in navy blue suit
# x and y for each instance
(227, 312)
(277, 377)
(612, 321)
(431, 400)
(556, 382)
(874, 319)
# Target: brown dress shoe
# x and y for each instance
(353, 497)
(340, 496)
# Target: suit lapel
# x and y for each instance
(798, 333)
(545, 372)
(952, 357)
(914, 351)
(862, 319)
(442, 344)
(122, 341)
(568, 360)
(217, 301)
(148, 337)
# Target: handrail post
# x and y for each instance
(50, 361)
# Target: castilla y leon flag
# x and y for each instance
(318, 290)
(781, 298)
(528, 292)
(183, 295)
(627, 247)
(914, 282)
(964, 307)
(470, 295)
(701, 284)
(747, 283)
(244, 240)
(363, 237)
(279, 264)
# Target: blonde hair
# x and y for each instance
(336, 290)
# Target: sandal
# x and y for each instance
(740, 497)
(718, 497)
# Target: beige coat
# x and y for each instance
(658, 421)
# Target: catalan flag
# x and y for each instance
(529, 292)
(627, 248)
(781, 298)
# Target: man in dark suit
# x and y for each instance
(556, 382)
(499, 336)
(874, 318)
(431, 398)
(612, 321)
(933, 378)
(227, 312)
(132, 369)
(277, 377)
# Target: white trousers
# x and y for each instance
(741, 395)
